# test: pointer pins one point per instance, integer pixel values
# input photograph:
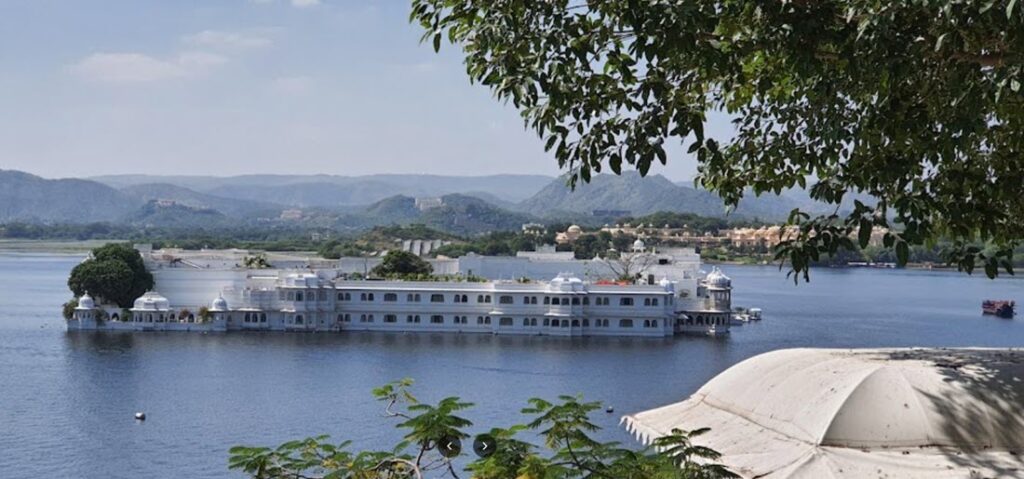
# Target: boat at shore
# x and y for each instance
(999, 308)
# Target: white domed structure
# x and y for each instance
(812, 413)
(151, 301)
(219, 304)
(716, 278)
(574, 229)
(639, 245)
(86, 302)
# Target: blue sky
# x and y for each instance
(225, 87)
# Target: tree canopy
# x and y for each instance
(397, 263)
(114, 273)
(915, 103)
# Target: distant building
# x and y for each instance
(422, 247)
(291, 215)
(533, 229)
(424, 204)
(569, 236)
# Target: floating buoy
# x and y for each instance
(141, 416)
(609, 410)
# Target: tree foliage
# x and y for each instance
(114, 273)
(565, 428)
(397, 264)
(916, 103)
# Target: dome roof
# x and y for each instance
(878, 413)
(717, 278)
(151, 301)
(639, 244)
(219, 304)
(86, 302)
(574, 229)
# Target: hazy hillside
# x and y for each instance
(330, 190)
(459, 214)
(25, 197)
(154, 214)
(640, 196)
(184, 196)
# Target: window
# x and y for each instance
(479, 320)
(487, 320)
(281, 295)
(412, 297)
(462, 320)
(390, 297)
(654, 301)
(246, 319)
(565, 323)
(533, 300)
(291, 296)
(547, 322)
(625, 323)
(437, 298)
(555, 301)
(437, 319)
(586, 301)
(626, 302)
(369, 297)
(479, 298)
(298, 319)
(408, 318)
(533, 321)
(298, 296)
(647, 301)
(575, 323)
(341, 318)
(586, 323)
(457, 299)
(505, 322)
(362, 296)
(526, 321)
(390, 318)
(575, 301)
(341, 296)
(547, 300)
(555, 323)
(322, 295)
(412, 319)
(505, 299)
(526, 300)
(263, 317)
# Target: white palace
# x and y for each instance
(316, 299)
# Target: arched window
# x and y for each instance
(457, 298)
(547, 322)
(647, 301)
(115, 317)
(246, 318)
(487, 320)
(263, 317)
(298, 296)
(586, 323)
(533, 321)
(298, 319)
(526, 321)
(341, 296)
(575, 301)
(547, 300)
(654, 301)
(479, 298)
(555, 301)
(526, 300)
(479, 320)
(586, 301)
(575, 323)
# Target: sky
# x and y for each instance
(229, 87)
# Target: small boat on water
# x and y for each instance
(1000, 308)
(741, 316)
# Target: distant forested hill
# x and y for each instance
(25, 197)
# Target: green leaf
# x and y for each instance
(902, 253)
(864, 235)
(1009, 8)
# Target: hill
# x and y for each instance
(174, 215)
(331, 190)
(29, 198)
(229, 206)
(645, 195)
(458, 214)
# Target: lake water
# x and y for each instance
(67, 399)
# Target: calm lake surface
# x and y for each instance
(67, 399)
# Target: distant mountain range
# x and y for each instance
(467, 205)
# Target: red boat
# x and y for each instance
(1002, 309)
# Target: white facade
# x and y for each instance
(310, 301)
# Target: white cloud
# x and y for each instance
(226, 40)
(141, 68)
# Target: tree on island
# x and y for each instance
(912, 111)
(565, 428)
(398, 264)
(114, 273)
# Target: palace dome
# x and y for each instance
(574, 229)
(639, 245)
(86, 302)
(717, 278)
(808, 413)
(151, 301)
(219, 304)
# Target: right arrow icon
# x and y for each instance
(484, 445)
